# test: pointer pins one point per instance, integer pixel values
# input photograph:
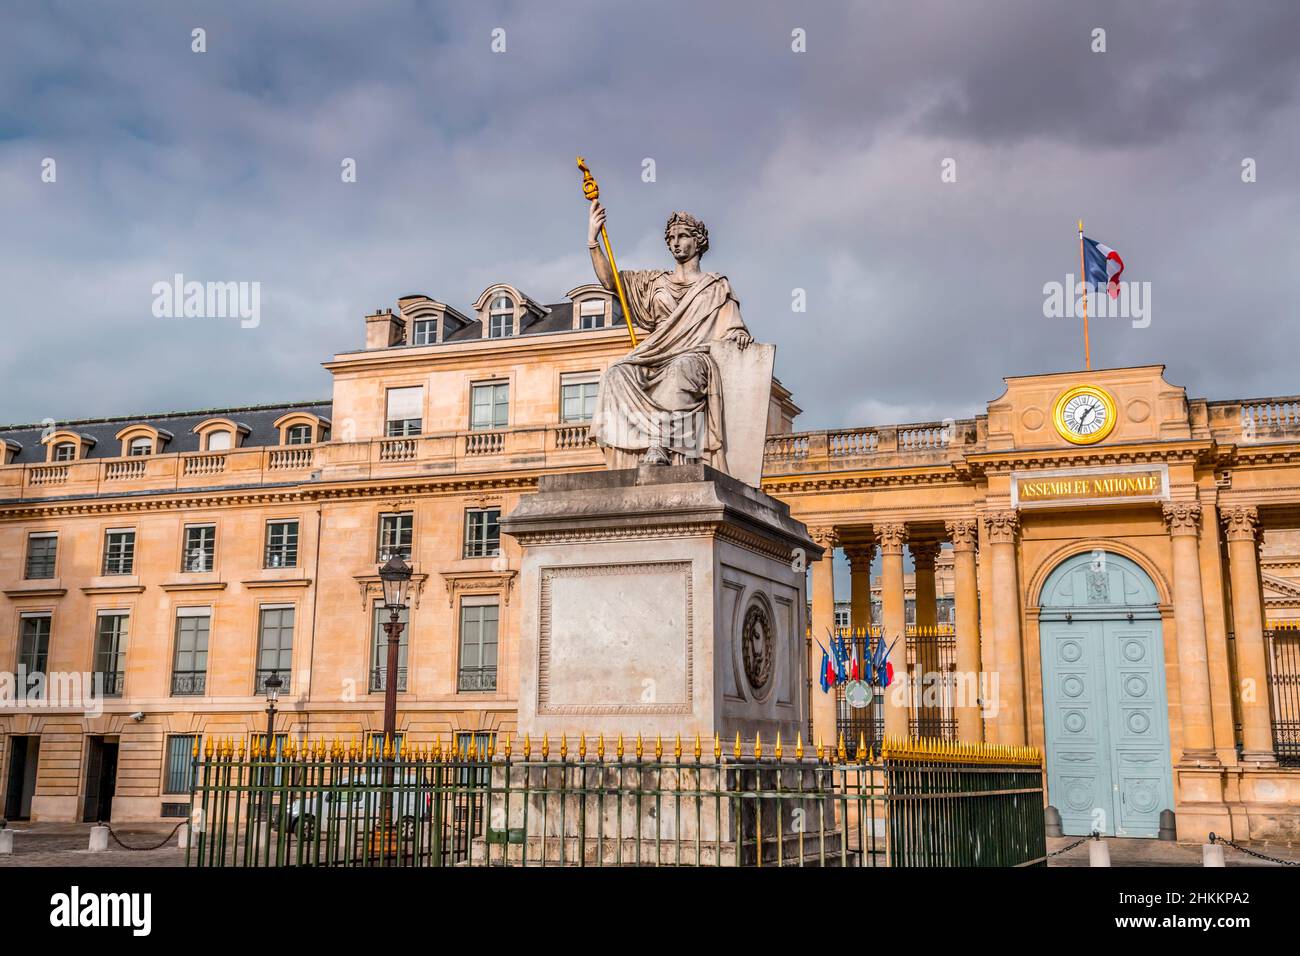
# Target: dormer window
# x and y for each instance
(142, 439)
(501, 318)
(220, 434)
(67, 445)
(219, 441)
(65, 451)
(10, 449)
(140, 446)
(298, 435)
(591, 314)
(301, 428)
(424, 332)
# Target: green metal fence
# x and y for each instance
(592, 802)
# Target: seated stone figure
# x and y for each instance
(662, 403)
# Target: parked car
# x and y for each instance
(359, 800)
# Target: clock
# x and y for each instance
(1084, 415)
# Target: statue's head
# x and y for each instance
(686, 236)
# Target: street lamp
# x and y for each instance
(395, 575)
(272, 685)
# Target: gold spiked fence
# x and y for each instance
(620, 801)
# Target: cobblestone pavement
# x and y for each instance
(1161, 853)
(64, 844)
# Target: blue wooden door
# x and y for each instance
(1104, 709)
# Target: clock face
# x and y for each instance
(1085, 414)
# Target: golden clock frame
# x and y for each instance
(1058, 414)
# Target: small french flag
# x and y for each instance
(1102, 266)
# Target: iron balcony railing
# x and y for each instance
(377, 685)
(477, 678)
(259, 685)
(110, 683)
(189, 683)
(1283, 644)
(613, 802)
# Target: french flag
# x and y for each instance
(1102, 266)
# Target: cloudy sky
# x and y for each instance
(816, 170)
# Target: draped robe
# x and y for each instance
(667, 390)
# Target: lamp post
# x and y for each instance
(395, 575)
(272, 685)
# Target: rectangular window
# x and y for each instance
(395, 535)
(140, 446)
(591, 314)
(274, 646)
(281, 746)
(478, 644)
(119, 551)
(482, 532)
(190, 661)
(490, 405)
(298, 435)
(33, 647)
(178, 772)
(200, 547)
(281, 544)
(478, 775)
(379, 650)
(110, 651)
(501, 325)
(405, 411)
(65, 451)
(377, 744)
(424, 332)
(578, 396)
(41, 551)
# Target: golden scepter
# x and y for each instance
(592, 192)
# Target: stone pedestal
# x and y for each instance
(661, 601)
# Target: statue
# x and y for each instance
(663, 402)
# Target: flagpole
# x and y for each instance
(592, 192)
(1083, 279)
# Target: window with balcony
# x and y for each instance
(396, 533)
(424, 332)
(578, 396)
(190, 660)
(482, 532)
(405, 411)
(281, 544)
(200, 553)
(274, 645)
(110, 652)
(42, 549)
(489, 405)
(501, 317)
(119, 551)
(178, 768)
(591, 314)
(33, 650)
(478, 645)
(379, 649)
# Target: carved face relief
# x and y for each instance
(758, 647)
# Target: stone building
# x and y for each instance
(1096, 535)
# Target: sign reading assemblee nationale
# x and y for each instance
(1090, 486)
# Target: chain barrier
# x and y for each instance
(1214, 838)
(157, 846)
(1094, 835)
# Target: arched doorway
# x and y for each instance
(1104, 708)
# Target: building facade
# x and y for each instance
(1119, 591)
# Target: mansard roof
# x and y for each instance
(260, 420)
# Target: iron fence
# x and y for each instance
(1283, 642)
(589, 802)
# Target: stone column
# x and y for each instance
(893, 620)
(823, 618)
(965, 535)
(926, 642)
(860, 557)
(1003, 528)
(1184, 521)
(1241, 527)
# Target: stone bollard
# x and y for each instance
(1052, 821)
(1098, 853)
(1212, 854)
(6, 842)
(98, 839)
(183, 837)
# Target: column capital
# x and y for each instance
(964, 532)
(1240, 523)
(860, 555)
(825, 535)
(1002, 526)
(924, 554)
(1183, 517)
(892, 536)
